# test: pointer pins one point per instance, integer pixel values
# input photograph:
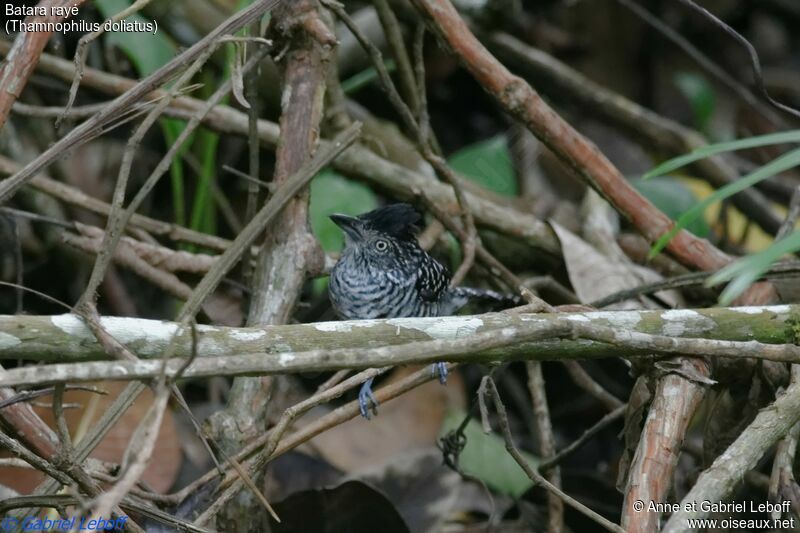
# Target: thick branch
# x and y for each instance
(489, 346)
(64, 338)
(24, 55)
(645, 125)
(289, 248)
(718, 481)
(519, 99)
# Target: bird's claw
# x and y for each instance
(440, 370)
(365, 398)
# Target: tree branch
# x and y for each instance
(481, 338)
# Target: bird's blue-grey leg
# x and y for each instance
(365, 398)
(440, 369)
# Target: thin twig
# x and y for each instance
(755, 63)
(124, 255)
(394, 36)
(535, 476)
(29, 110)
(137, 455)
(118, 221)
(24, 396)
(320, 425)
(741, 92)
(490, 261)
(83, 49)
(76, 197)
(547, 443)
(420, 133)
(36, 217)
(601, 424)
(267, 213)
(258, 463)
(253, 150)
(140, 450)
(692, 279)
(790, 221)
(88, 312)
(332, 381)
(358, 162)
(782, 484)
(42, 465)
(651, 129)
(18, 263)
(9, 186)
(61, 422)
(98, 431)
(585, 381)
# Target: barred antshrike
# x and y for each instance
(383, 273)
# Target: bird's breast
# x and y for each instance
(371, 293)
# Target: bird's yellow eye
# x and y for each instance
(381, 245)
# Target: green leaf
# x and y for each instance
(333, 193)
(358, 81)
(147, 52)
(744, 272)
(204, 214)
(672, 197)
(488, 163)
(776, 166)
(319, 286)
(172, 129)
(486, 458)
(701, 97)
(713, 149)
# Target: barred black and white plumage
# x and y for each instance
(384, 273)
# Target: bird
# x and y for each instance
(383, 272)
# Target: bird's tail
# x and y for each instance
(494, 299)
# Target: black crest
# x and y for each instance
(397, 220)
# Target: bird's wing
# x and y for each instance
(432, 280)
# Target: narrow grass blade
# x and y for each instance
(713, 149)
(776, 166)
(746, 271)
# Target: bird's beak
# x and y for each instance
(350, 225)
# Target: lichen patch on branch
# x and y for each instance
(438, 328)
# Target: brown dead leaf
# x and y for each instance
(164, 464)
(410, 422)
(594, 275)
